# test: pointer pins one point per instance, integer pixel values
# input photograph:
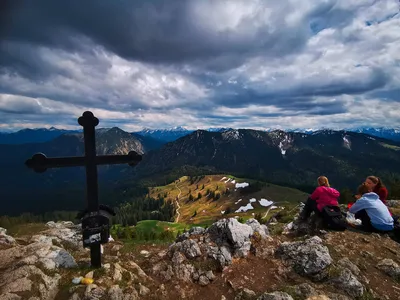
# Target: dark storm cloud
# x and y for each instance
(151, 31)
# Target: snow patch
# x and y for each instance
(241, 185)
(283, 151)
(273, 207)
(252, 200)
(347, 142)
(233, 181)
(231, 135)
(265, 202)
(222, 212)
(222, 178)
(245, 208)
(229, 179)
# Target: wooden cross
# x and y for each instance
(40, 163)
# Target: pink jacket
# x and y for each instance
(325, 196)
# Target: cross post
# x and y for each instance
(96, 229)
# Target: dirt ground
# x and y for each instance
(270, 274)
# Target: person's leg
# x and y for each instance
(365, 220)
(310, 206)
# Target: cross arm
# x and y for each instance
(40, 163)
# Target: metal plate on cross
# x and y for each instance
(95, 228)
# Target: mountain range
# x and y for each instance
(155, 138)
(286, 158)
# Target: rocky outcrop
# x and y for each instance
(25, 266)
(310, 257)
(198, 253)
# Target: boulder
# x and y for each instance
(56, 257)
(231, 232)
(390, 267)
(310, 257)
(347, 282)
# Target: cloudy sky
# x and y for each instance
(200, 63)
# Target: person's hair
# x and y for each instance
(377, 181)
(363, 189)
(323, 181)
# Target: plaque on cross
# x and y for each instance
(95, 219)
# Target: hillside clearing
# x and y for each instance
(204, 199)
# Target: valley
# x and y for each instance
(201, 200)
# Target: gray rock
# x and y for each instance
(22, 280)
(89, 274)
(131, 294)
(196, 231)
(347, 282)
(346, 263)
(9, 296)
(203, 280)
(390, 267)
(275, 296)
(184, 272)
(115, 293)
(190, 249)
(178, 258)
(117, 276)
(304, 290)
(231, 232)
(143, 291)
(222, 255)
(262, 230)
(6, 239)
(210, 275)
(93, 292)
(245, 294)
(309, 257)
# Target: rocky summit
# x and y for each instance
(227, 260)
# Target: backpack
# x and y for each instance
(333, 218)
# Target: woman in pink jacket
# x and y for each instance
(323, 196)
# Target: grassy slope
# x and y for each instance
(209, 210)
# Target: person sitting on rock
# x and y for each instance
(372, 212)
(324, 195)
(376, 185)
